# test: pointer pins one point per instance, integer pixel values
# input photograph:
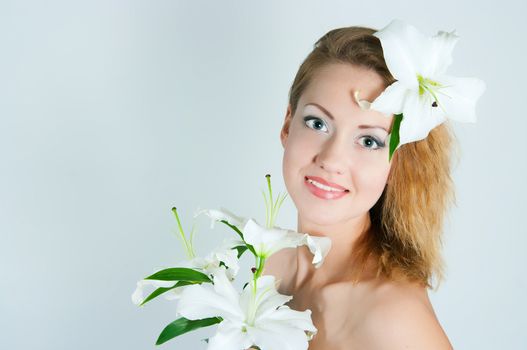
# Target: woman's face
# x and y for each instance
(332, 141)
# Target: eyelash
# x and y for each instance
(378, 142)
(309, 119)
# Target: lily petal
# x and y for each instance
(288, 324)
(278, 336)
(267, 298)
(224, 287)
(319, 247)
(268, 241)
(229, 337)
(391, 100)
(405, 49)
(440, 55)
(230, 258)
(221, 214)
(256, 317)
(211, 263)
(459, 96)
(293, 318)
(174, 294)
(418, 119)
(198, 301)
(138, 295)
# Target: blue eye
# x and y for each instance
(315, 123)
(371, 142)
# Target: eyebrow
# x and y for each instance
(326, 112)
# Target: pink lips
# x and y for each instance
(327, 183)
(320, 193)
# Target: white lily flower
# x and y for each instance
(221, 214)
(319, 247)
(257, 316)
(211, 263)
(138, 295)
(266, 241)
(208, 265)
(423, 93)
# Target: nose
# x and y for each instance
(333, 156)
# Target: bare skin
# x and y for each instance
(372, 314)
(344, 145)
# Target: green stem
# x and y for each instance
(188, 248)
(267, 214)
(260, 268)
(191, 240)
(268, 177)
(260, 263)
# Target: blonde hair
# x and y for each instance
(404, 239)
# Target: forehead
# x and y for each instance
(332, 87)
(342, 79)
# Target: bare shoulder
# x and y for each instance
(283, 266)
(400, 316)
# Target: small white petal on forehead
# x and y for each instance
(363, 104)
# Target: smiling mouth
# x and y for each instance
(325, 186)
(323, 191)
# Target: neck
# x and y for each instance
(337, 263)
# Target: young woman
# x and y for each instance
(384, 217)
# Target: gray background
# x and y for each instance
(111, 112)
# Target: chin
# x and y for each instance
(323, 216)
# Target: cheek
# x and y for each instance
(370, 179)
(299, 152)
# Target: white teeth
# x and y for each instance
(324, 187)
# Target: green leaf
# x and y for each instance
(162, 290)
(241, 249)
(250, 247)
(394, 137)
(233, 227)
(179, 274)
(183, 325)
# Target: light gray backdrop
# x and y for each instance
(111, 112)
